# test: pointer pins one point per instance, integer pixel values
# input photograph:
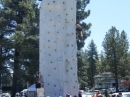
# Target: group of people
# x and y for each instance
(21, 95)
(69, 95)
(98, 94)
(119, 95)
(111, 95)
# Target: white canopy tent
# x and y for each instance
(31, 91)
(32, 88)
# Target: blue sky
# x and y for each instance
(105, 14)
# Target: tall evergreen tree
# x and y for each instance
(127, 71)
(104, 64)
(92, 58)
(81, 15)
(82, 69)
(115, 48)
(124, 54)
(101, 64)
(7, 28)
(111, 46)
(21, 18)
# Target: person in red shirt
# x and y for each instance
(96, 94)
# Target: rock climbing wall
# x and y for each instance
(58, 62)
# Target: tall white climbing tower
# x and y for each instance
(58, 62)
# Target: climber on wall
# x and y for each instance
(40, 80)
(39, 83)
(79, 34)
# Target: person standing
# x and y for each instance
(119, 95)
(21, 95)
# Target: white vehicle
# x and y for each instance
(24, 92)
(17, 95)
(111, 90)
(124, 94)
(103, 91)
(5, 95)
(87, 94)
(122, 89)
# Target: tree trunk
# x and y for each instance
(1, 37)
(115, 71)
(0, 64)
(91, 76)
(16, 63)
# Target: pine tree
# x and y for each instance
(111, 50)
(24, 37)
(82, 70)
(115, 49)
(92, 59)
(81, 14)
(123, 66)
(127, 71)
(6, 29)
(103, 65)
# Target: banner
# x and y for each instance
(40, 92)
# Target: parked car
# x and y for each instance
(17, 95)
(95, 91)
(5, 95)
(123, 89)
(87, 94)
(24, 92)
(124, 94)
(111, 90)
(103, 91)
